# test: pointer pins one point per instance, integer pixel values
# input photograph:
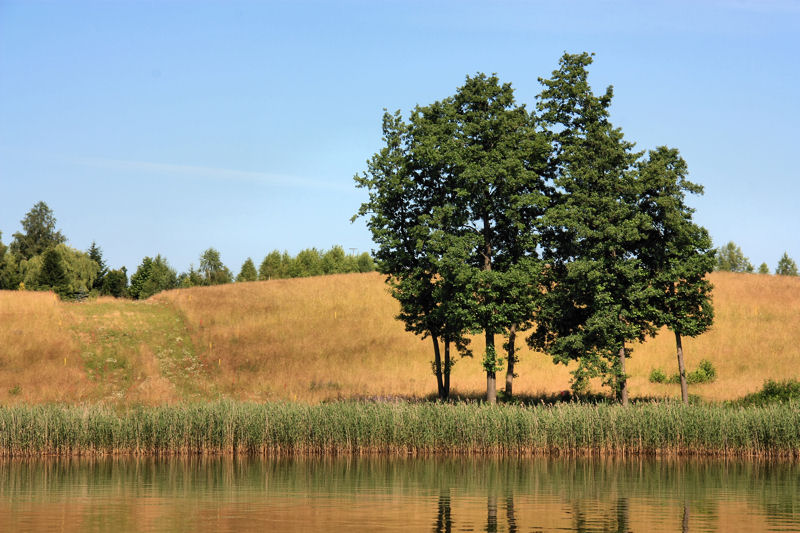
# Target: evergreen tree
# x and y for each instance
(96, 254)
(52, 275)
(152, 276)
(39, 232)
(598, 292)
(731, 259)
(248, 271)
(763, 268)
(786, 266)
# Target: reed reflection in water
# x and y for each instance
(397, 494)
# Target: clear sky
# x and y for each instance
(173, 126)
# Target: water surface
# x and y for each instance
(397, 494)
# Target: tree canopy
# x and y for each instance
(39, 232)
(786, 266)
(730, 258)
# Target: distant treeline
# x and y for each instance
(39, 259)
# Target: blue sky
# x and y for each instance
(173, 126)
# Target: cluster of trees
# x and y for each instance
(39, 259)
(490, 218)
(730, 258)
(311, 262)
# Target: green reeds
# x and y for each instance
(402, 428)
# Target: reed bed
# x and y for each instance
(663, 428)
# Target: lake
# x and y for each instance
(398, 494)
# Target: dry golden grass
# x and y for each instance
(39, 359)
(335, 336)
(755, 337)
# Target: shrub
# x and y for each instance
(774, 392)
(657, 376)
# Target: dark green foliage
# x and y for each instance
(786, 266)
(773, 392)
(52, 274)
(10, 276)
(731, 259)
(79, 271)
(115, 283)
(39, 233)
(212, 269)
(763, 268)
(657, 376)
(598, 291)
(678, 253)
(455, 196)
(248, 271)
(96, 254)
(151, 277)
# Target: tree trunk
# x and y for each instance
(447, 366)
(437, 365)
(623, 379)
(491, 381)
(682, 370)
(512, 337)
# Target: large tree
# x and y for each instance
(402, 195)
(456, 196)
(678, 254)
(598, 294)
(39, 232)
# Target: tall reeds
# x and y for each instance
(401, 428)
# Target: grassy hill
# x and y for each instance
(317, 338)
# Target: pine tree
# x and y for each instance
(248, 271)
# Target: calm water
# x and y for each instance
(382, 494)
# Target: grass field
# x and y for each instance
(332, 337)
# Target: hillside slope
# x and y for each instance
(318, 338)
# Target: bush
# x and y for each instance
(705, 373)
(657, 376)
(774, 392)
